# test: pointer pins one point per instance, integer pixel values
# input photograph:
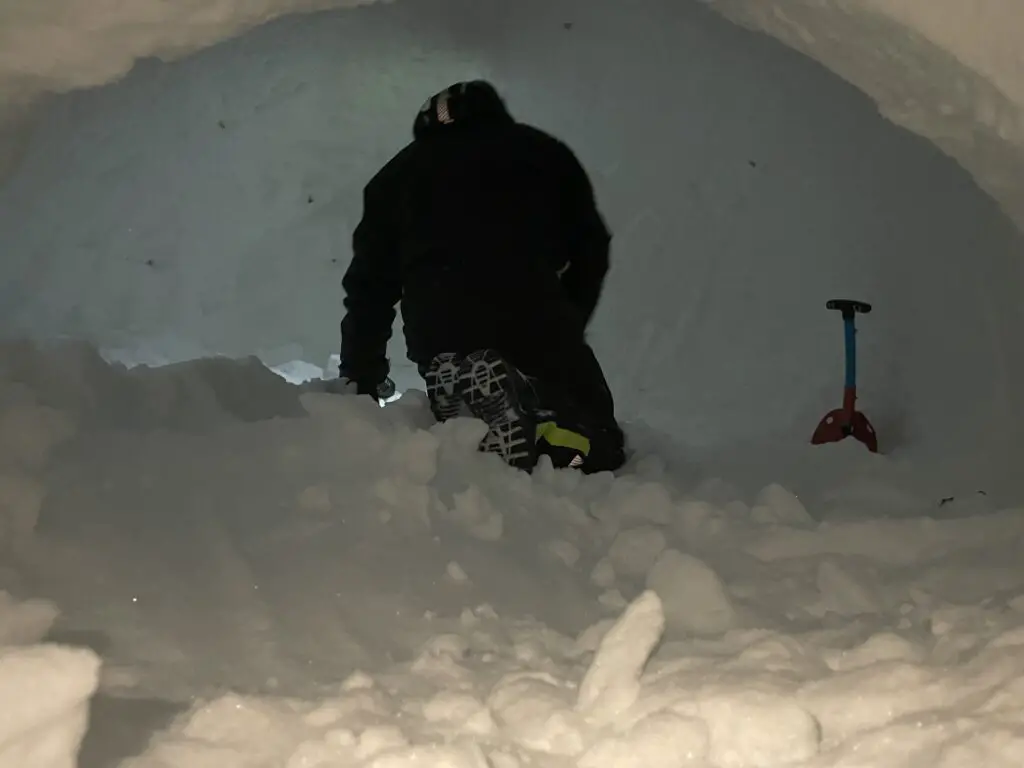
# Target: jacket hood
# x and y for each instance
(471, 104)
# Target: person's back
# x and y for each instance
(487, 240)
(487, 232)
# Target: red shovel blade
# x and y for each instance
(837, 425)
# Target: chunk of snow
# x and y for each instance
(603, 573)
(613, 599)
(474, 511)
(459, 709)
(383, 739)
(844, 593)
(697, 519)
(779, 506)
(612, 682)
(456, 572)
(663, 740)
(465, 756)
(884, 646)
(869, 697)
(751, 728)
(694, 598)
(536, 712)
(563, 551)
(416, 456)
(649, 502)
(635, 502)
(233, 719)
(315, 498)
(358, 681)
(44, 697)
(634, 551)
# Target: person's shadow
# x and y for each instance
(122, 728)
(119, 727)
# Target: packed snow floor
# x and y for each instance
(205, 566)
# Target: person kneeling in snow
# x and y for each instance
(487, 232)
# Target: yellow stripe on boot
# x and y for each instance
(560, 437)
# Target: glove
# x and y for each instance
(386, 389)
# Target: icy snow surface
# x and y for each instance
(275, 576)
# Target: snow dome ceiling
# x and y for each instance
(949, 70)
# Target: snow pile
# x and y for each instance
(357, 586)
(49, 390)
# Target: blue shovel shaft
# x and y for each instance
(850, 335)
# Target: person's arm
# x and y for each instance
(589, 241)
(373, 287)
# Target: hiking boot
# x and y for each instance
(443, 391)
(500, 396)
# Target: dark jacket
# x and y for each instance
(487, 232)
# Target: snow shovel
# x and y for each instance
(847, 421)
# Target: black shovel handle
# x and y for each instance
(849, 307)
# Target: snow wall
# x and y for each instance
(206, 206)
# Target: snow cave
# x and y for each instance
(206, 562)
